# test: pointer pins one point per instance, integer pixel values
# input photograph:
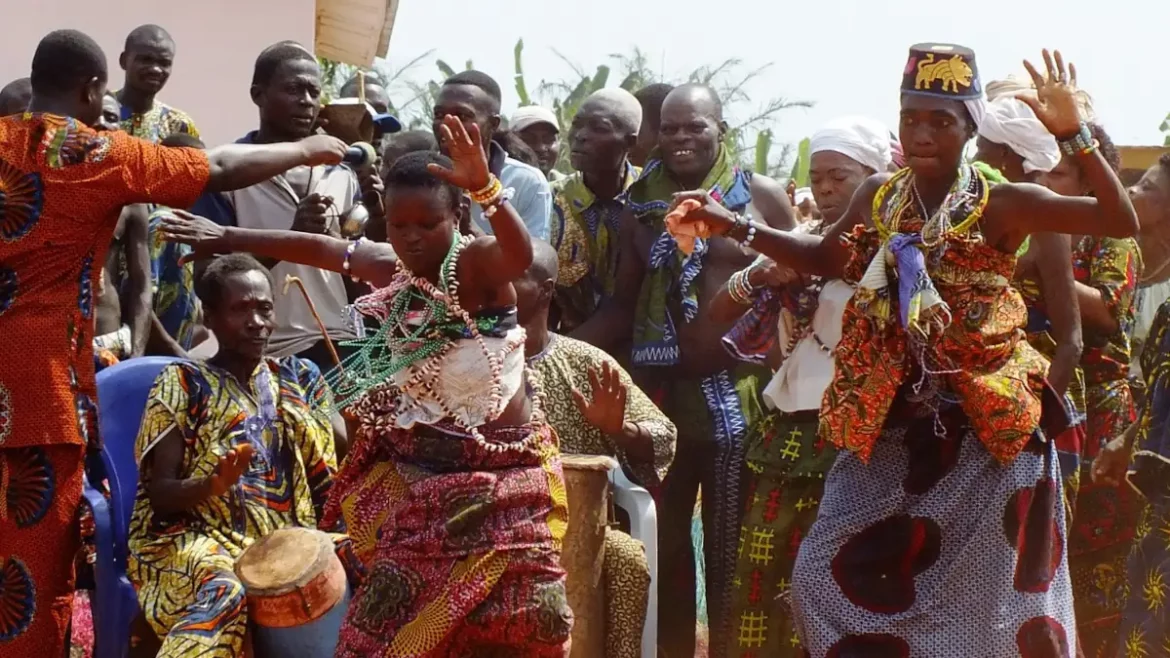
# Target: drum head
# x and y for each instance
(283, 560)
(588, 462)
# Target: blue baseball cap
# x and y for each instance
(388, 123)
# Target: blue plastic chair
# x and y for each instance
(122, 391)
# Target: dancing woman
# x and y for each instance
(942, 526)
(452, 490)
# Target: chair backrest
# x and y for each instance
(122, 391)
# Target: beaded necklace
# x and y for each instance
(420, 347)
(965, 202)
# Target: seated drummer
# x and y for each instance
(229, 451)
(597, 410)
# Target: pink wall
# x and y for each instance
(217, 43)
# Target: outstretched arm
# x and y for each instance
(806, 254)
(370, 261)
(236, 166)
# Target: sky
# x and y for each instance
(846, 56)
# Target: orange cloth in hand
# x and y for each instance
(684, 232)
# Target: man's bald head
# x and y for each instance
(14, 97)
(544, 263)
(701, 98)
(690, 137)
(147, 59)
(534, 290)
(145, 35)
(619, 106)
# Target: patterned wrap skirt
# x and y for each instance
(934, 548)
(460, 538)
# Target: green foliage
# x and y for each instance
(1165, 127)
(521, 88)
(800, 168)
(750, 138)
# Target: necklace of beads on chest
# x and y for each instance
(429, 342)
(904, 198)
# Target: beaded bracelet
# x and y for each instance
(751, 235)
(490, 207)
(490, 191)
(349, 249)
(739, 287)
(1080, 143)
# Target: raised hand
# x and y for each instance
(718, 219)
(469, 163)
(607, 410)
(1055, 103)
(203, 235)
(229, 469)
(323, 150)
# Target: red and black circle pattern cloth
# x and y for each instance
(934, 517)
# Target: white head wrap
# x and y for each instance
(530, 115)
(802, 194)
(865, 140)
(1014, 86)
(1011, 122)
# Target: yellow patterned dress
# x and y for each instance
(1106, 517)
(1145, 624)
(562, 366)
(182, 565)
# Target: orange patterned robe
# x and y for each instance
(987, 362)
(62, 187)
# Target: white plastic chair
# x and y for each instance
(639, 504)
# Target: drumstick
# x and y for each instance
(290, 279)
(361, 86)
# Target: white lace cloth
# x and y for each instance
(465, 383)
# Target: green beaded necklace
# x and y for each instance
(397, 344)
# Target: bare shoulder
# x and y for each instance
(767, 186)
(771, 200)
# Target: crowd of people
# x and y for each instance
(916, 409)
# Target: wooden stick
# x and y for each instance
(289, 280)
(361, 86)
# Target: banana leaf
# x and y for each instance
(800, 167)
(521, 88)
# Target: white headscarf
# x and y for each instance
(1009, 121)
(865, 140)
(1015, 86)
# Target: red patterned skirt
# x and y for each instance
(460, 538)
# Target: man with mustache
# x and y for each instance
(286, 87)
(147, 59)
(677, 354)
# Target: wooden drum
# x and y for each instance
(297, 593)
(587, 489)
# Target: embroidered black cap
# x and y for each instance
(943, 70)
